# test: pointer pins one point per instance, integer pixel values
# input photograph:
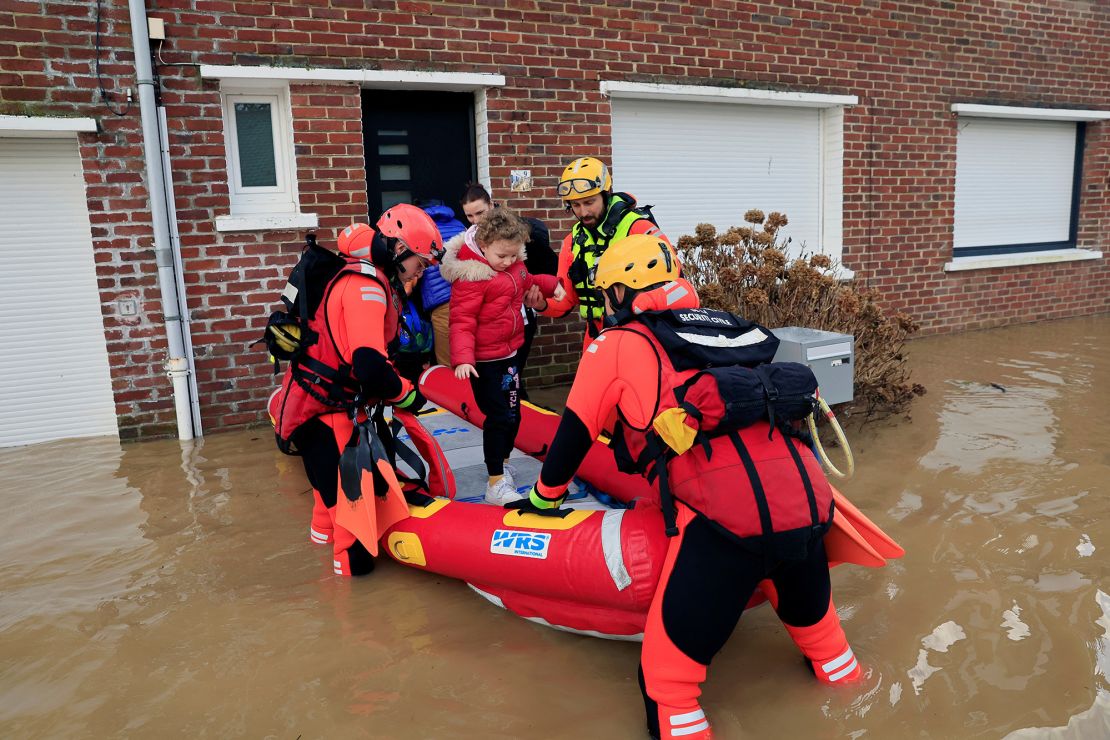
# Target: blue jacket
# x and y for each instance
(434, 290)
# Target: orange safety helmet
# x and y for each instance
(415, 229)
(355, 241)
(583, 178)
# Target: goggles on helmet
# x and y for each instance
(577, 185)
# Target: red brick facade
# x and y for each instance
(908, 62)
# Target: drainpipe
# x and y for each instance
(179, 270)
(178, 363)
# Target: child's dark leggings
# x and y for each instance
(497, 393)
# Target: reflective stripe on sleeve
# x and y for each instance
(373, 293)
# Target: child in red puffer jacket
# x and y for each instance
(485, 266)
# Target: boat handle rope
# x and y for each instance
(850, 462)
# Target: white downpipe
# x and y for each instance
(179, 273)
(177, 364)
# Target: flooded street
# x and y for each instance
(154, 591)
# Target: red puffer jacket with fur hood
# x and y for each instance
(486, 319)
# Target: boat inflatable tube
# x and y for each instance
(588, 571)
(852, 538)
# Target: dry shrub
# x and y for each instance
(746, 271)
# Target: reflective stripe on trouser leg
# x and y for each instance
(670, 679)
(826, 647)
(320, 530)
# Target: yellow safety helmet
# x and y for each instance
(638, 261)
(583, 178)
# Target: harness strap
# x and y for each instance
(757, 485)
(770, 398)
(666, 500)
(408, 456)
(330, 386)
(810, 496)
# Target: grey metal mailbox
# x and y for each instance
(829, 354)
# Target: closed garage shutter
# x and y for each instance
(54, 379)
(700, 162)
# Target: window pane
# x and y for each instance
(392, 132)
(391, 198)
(394, 172)
(254, 133)
(393, 149)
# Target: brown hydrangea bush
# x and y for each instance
(746, 271)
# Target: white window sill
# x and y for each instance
(264, 222)
(988, 261)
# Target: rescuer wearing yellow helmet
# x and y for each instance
(586, 188)
(742, 509)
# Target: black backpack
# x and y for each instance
(738, 383)
(287, 333)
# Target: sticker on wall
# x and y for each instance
(520, 181)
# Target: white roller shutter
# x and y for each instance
(700, 162)
(54, 379)
(1013, 182)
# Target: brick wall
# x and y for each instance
(906, 61)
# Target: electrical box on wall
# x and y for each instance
(156, 29)
(829, 354)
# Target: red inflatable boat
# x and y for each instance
(589, 571)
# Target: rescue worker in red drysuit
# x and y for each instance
(717, 557)
(356, 321)
(604, 217)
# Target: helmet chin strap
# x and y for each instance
(399, 260)
(622, 309)
(383, 254)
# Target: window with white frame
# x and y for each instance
(259, 142)
(1017, 185)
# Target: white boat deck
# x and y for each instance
(462, 444)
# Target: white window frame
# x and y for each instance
(262, 207)
(831, 131)
(1013, 255)
(250, 79)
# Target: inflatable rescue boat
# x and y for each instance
(591, 571)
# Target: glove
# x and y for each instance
(537, 504)
(412, 403)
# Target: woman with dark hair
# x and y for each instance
(539, 258)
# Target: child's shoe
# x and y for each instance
(502, 492)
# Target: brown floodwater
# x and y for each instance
(165, 589)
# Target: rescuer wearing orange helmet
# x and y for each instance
(743, 507)
(586, 188)
(348, 366)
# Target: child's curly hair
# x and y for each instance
(502, 223)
